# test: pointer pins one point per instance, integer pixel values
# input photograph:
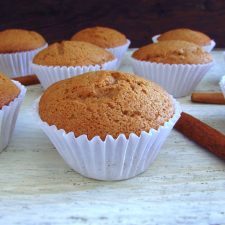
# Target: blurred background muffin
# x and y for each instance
(17, 49)
(8, 91)
(173, 52)
(185, 34)
(70, 58)
(108, 38)
(11, 97)
(178, 66)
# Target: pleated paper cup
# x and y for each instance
(207, 48)
(222, 85)
(8, 116)
(119, 52)
(155, 38)
(48, 75)
(111, 159)
(178, 79)
(18, 64)
(210, 47)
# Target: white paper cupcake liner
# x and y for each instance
(178, 79)
(48, 75)
(8, 116)
(207, 48)
(210, 47)
(119, 52)
(155, 38)
(222, 85)
(18, 64)
(111, 159)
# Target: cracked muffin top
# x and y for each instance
(105, 102)
(101, 36)
(72, 53)
(18, 40)
(185, 34)
(8, 90)
(173, 52)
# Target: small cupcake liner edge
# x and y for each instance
(8, 117)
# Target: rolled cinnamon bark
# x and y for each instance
(27, 80)
(204, 135)
(209, 98)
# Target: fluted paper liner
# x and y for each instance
(178, 79)
(8, 116)
(51, 74)
(222, 85)
(18, 64)
(119, 52)
(111, 159)
(207, 48)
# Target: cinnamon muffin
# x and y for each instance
(101, 36)
(173, 52)
(72, 53)
(185, 34)
(17, 49)
(178, 66)
(105, 102)
(70, 58)
(18, 40)
(110, 39)
(12, 94)
(8, 91)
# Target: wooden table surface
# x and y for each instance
(185, 185)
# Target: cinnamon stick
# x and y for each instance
(207, 97)
(204, 135)
(27, 80)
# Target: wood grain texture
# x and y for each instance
(185, 185)
(138, 19)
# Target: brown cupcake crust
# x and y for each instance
(185, 34)
(105, 102)
(173, 52)
(18, 40)
(101, 36)
(72, 53)
(8, 90)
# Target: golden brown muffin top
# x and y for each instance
(8, 90)
(101, 36)
(73, 53)
(185, 34)
(105, 102)
(18, 40)
(173, 52)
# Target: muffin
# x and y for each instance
(107, 125)
(178, 66)
(104, 37)
(17, 49)
(70, 58)
(173, 52)
(11, 97)
(8, 91)
(188, 35)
